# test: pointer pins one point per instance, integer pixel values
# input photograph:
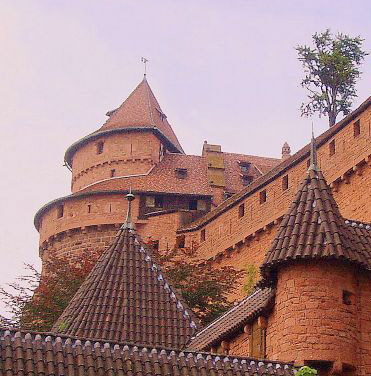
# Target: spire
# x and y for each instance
(126, 298)
(313, 228)
(313, 154)
(128, 224)
(141, 110)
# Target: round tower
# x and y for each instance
(314, 264)
(105, 165)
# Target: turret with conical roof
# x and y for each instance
(132, 141)
(126, 298)
(315, 265)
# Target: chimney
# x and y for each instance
(286, 151)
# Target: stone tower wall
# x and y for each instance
(310, 321)
(129, 153)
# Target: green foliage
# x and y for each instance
(203, 287)
(331, 72)
(35, 301)
(306, 371)
(250, 280)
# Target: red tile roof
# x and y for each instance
(233, 320)
(43, 354)
(313, 228)
(259, 166)
(163, 179)
(141, 109)
(126, 298)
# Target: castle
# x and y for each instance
(304, 220)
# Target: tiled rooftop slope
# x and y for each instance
(47, 355)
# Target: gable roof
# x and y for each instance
(233, 320)
(126, 298)
(45, 354)
(141, 109)
(313, 228)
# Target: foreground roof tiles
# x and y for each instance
(141, 109)
(126, 298)
(314, 228)
(233, 320)
(43, 354)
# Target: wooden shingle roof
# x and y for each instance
(126, 298)
(43, 354)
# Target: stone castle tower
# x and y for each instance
(137, 149)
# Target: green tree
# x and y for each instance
(306, 371)
(204, 287)
(331, 71)
(35, 300)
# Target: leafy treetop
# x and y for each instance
(331, 72)
(35, 301)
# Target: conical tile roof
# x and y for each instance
(141, 110)
(126, 298)
(313, 228)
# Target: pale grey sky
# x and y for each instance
(224, 71)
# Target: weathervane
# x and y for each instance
(144, 61)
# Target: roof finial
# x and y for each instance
(144, 61)
(128, 224)
(313, 153)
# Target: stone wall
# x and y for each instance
(240, 240)
(122, 154)
(310, 321)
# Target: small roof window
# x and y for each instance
(181, 173)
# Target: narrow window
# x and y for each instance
(308, 163)
(201, 205)
(257, 341)
(181, 173)
(150, 202)
(263, 196)
(89, 208)
(100, 146)
(193, 205)
(155, 245)
(203, 235)
(180, 241)
(285, 182)
(159, 202)
(60, 211)
(110, 208)
(357, 128)
(241, 211)
(113, 173)
(347, 297)
(332, 148)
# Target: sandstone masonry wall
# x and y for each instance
(125, 153)
(240, 240)
(310, 320)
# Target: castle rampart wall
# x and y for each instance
(232, 238)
